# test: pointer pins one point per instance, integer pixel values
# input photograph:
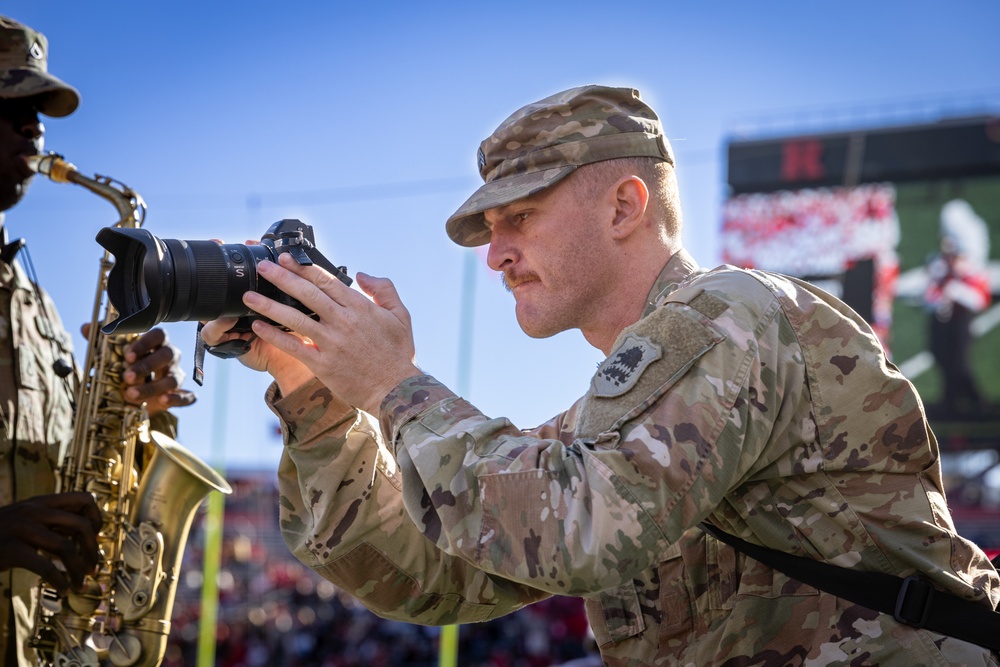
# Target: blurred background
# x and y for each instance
(855, 145)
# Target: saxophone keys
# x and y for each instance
(78, 656)
(125, 650)
(87, 602)
(107, 458)
(122, 648)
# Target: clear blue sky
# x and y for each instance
(363, 120)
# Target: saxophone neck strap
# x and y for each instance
(8, 248)
(912, 601)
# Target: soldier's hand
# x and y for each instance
(360, 346)
(38, 532)
(287, 371)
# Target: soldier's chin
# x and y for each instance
(12, 195)
(536, 327)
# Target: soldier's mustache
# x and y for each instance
(509, 282)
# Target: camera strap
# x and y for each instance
(912, 601)
(231, 349)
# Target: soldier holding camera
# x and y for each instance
(735, 400)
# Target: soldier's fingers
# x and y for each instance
(384, 294)
(314, 281)
(77, 558)
(292, 318)
(29, 559)
(79, 503)
(145, 391)
(148, 341)
(296, 346)
(177, 399)
(217, 331)
(162, 361)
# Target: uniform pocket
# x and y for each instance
(675, 596)
(698, 584)
(615, 614)
(723, 579)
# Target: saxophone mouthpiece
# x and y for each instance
(52, 165)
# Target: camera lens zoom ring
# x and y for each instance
(201, 280)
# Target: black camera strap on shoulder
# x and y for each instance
(913, 600)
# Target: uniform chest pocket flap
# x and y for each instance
(649, 358)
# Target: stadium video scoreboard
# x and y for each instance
(902, 223)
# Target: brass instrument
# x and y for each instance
(146, 484)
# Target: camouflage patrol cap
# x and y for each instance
(24, 70)
(543, 142)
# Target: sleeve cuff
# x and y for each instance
(309, 410)
(411, 398)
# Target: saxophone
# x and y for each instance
(147, 485)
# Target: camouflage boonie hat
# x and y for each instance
(24, 70)
(543, 142)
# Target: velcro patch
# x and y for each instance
(709, 305)
(679, 336)
(704, 302)
(624, 366)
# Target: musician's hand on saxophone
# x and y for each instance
(38, 532)
(153, 373)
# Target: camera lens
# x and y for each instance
(174, 280)
(154, 280)
(210, 279)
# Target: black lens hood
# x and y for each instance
(140, 284)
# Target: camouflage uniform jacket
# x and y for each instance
(36, 425)
(747, 399)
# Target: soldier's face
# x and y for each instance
(553, 251)
(21, 135)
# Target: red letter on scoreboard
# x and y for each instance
(801, 160)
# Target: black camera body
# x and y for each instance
(169, 280)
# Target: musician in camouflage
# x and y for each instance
(37, 527)
(749, 400)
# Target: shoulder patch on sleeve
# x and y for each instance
(624, 366)
(648, 360)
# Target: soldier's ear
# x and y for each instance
(631, 196)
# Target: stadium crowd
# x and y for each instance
(275, 611)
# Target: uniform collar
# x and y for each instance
(7, 273)
(679, 268)
(11, 274)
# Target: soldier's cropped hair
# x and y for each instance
(658, 175)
